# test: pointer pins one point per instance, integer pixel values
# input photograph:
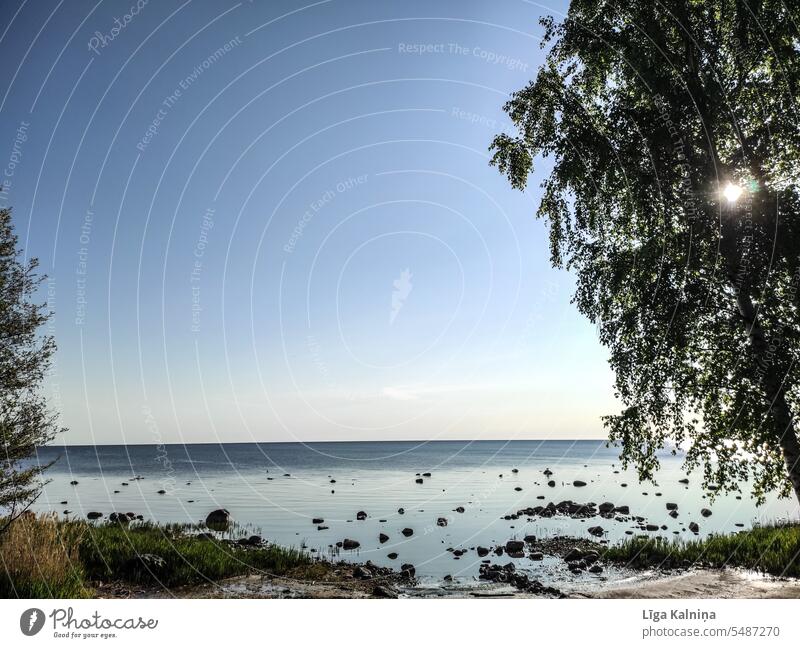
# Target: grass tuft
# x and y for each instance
(772, 549)
(44, 557)
(39, 559)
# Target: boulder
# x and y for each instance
(705, 512)
(442, 522)
(427, 474)
(623, 510)
(482, 551)
(419, 480)
(459, 509)
(596, 531)
(119, 518)
(408, 570)
(93, 515)
(672, 506)
(401, 510)
(651, 527)
(255, 540)
(361, 515)
(673, 513)
(317, 521)
(573, 554)
(407, 532)
(530, 539)
(579, 483)
(683, 481)
(514, 546)
(218, 520)
(606, 507)
(392, 555)
(362, 573)
(596, 569)
(551, 484)
(384, 591)
(383, 538)
(349, 544)
(536, 555)
(694, 527)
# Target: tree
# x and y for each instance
(674, 196)
(25, 356)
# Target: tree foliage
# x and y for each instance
(25, 356)
(648, 111)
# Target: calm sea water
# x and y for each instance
(277, 488)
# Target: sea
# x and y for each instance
(276, 489)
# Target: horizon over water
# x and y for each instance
(275, 489)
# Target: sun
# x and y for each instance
(732, 192)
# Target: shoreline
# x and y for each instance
(702, 584)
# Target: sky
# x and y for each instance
(276, 221)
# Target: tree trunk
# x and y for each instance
(774, 388)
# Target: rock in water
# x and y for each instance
(218, 520)
(93, 515)
(579, 483)
(694, 527)
(442, 522)
(595, 530)
(672, 506)
(383, 538)
(407, 532)
(361, 515)
(705, 512)
(349, 544)
(408, 570)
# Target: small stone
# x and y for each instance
(579, 483)
(407, 532)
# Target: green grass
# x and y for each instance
(44, 557)
(113, 552)
(773, 549)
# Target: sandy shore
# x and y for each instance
(711, 583)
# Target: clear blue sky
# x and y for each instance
(276, 221)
